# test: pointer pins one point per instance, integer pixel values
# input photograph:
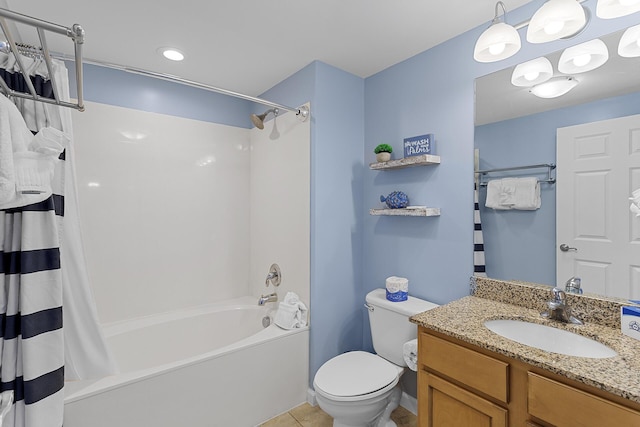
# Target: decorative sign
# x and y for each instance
(418, 145)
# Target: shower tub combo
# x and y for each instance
(214, 365)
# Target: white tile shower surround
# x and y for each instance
(169, 216)
(281, 206)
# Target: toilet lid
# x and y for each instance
(355, 373)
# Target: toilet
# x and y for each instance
(360, 389)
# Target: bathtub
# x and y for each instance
(210, 366)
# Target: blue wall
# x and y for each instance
(123, 89)
(337, 141)
(513, 239)
(433, 92)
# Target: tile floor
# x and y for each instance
(306, 415)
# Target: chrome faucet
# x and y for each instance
(267, 298)
(558, 309)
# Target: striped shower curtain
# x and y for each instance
(43, 269)
(479, 268)
(32, 347)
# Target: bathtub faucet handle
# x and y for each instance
(274, 277)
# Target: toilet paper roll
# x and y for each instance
(397, 288)
(410, 354)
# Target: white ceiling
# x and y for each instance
(248, 46)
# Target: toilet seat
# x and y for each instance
(356, 375)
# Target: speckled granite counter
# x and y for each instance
(464, 319)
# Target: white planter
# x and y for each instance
(383, 156)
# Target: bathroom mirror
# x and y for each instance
(515, 128)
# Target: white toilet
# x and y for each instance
(360, 389)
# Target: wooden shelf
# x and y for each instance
(411, 211)
(422, 160)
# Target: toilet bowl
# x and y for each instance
(361, 389)
(356, 387)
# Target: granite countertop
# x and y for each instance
(464, 319)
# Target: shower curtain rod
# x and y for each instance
(302, 112)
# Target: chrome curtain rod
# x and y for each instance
(302, 112)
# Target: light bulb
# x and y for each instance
(171, 53)
(532, 75)
(553, 27)
(582, 60)
(497, 48)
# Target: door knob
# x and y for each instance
(566, 248)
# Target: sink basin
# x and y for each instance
(549, 339)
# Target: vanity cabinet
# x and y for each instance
(463, 385)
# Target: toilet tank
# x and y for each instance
(390, 325)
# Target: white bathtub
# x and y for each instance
(211, 366)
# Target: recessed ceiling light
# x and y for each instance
(171, 53)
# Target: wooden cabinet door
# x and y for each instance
(443, 404)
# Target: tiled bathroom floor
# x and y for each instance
(306, 415)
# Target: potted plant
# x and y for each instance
(383, 152)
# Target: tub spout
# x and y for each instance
(267, 298)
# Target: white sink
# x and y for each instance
(549, 339)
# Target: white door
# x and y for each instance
(598, 169)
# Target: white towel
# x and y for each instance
(495, 196)
(410, 354)
(513, 193)
(292, 313)
(527, 194)
(34, 168)
(14, 137)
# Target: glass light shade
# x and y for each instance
(554, 88)
(583, 57)
(629, 46)
(532, 72)
(556, 19)
(497, 42)
(608, 9)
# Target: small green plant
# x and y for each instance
(383, 148)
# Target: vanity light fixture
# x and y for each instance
(583, 57)
(171, 53)
(629, 46)
(497, 42)
(555, 87)
(556, 19)
(608, 9)
(532, 72)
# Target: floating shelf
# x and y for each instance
(422, 160)
(410, 211)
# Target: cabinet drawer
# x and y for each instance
(451, 406)
(480, 372)
(562, 405)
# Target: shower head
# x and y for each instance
(258, 120)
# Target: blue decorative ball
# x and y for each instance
(396, 200)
